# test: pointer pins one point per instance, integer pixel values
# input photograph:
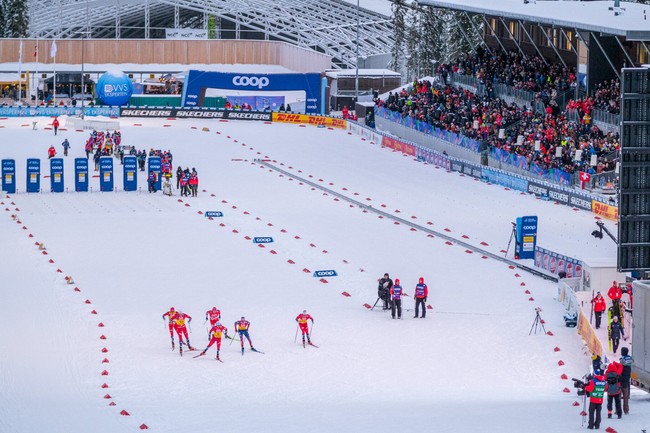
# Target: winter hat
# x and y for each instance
(386, 275)
(397, 281)
(624, 351)
(421, 280)
(598, 372)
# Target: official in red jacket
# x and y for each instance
(599, 307)
(615, 293)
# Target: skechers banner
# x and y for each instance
(560, 195)
(198, 82)
(196, 114)
(213, 214)
(328, 273)
(263, 240)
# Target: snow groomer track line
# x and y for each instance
(411, 224)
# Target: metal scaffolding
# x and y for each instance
(327, 26)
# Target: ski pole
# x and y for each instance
(591, 315)
(190, 326)
(231, 340)
(296, 337)
(164, 322)
(312, 329)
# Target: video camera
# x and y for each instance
(581, 384)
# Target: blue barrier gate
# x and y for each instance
(106, 173)
(33, 175)
(155, 165)
(130, 173)
(56, 175)
(9, 176)
(81, 175)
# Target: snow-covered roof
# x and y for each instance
(147, 68)
(378, 6)
(372, 73)
(9, 77)
(593, 16)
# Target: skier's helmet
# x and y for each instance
(304, 311)
(214, 308)
(243, 318)
(172, 309)
(397, 281)
(421, 280)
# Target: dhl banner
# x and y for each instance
(398, 145)
(589, 336)
(604, 210)
(309, 120)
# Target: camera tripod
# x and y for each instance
(538, 322)
(513, 235)
(379, 298)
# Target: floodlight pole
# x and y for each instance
(83, 65)
(356, 75)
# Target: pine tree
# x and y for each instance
(430, 41)
(15, 18)
(399, 9)
(2, 17)
(413, 42)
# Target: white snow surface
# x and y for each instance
(470, 365)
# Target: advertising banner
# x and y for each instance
(56, 175)
(33, 175)
(130, 175)
(196, 113)
(309, 120)
(398, 145)
(526, 237)
(589, 335)
(106, 173)
(504, 179)
(81, 175)
(9, 176)
(605, 210)
(556, 263)
(155, 165)
(197, 82)
(58, 111)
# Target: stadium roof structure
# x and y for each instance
(327, 26)
(631, 21)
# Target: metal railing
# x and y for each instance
(609, 122)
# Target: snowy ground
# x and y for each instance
(470, 365)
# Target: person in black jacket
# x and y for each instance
(615, 333)
(626, 361)
(179, 174)
(383, 290)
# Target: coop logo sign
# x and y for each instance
(213, 214)
(243, 81)
(328, 273)
(263, 240)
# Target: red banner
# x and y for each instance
(398, 145)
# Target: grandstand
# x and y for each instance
(326, 26)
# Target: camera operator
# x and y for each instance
(383, 290)
(596, 388)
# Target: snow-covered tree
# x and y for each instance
(399, 9)
(15, 19)
(430, 39)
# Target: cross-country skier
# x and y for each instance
(241, 326)
(421, 293)
(396, 299)
(170, 317)
(55, 125)
(151, 179)
(51, 152)
(214, 315)
(66, 146)
(616, 331)
(304, 326)
(179, 326)
(599, 307)
(215, 337)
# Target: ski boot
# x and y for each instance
(242, 351)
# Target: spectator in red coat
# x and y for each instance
(599, 307)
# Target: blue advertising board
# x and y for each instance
(155, 165)
(33, 175)
(197, 82)
(81, 175)
(263, 240)
(56, 175)
(58, 111)
(106, 173)
(526, 237)
(9, 175)
(325, 273)
(213, 214)
(130, 173)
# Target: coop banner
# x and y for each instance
(197, 82)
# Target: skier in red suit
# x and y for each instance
(170, 317)
(216, 332)
(179, 326)
(304, 326)
(214, 315)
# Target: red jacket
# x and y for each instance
(51, 151)
(596, 387)
(55, 123)
(615, 292)
(599, 304)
